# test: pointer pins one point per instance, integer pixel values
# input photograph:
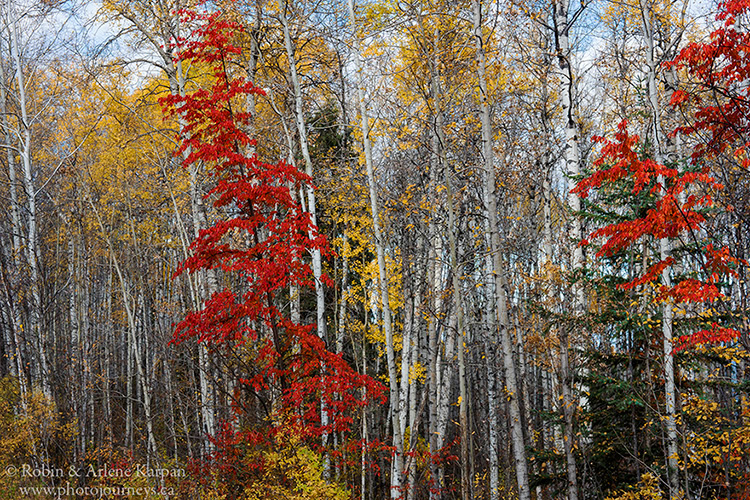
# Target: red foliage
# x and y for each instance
(720, 69)
(264, 242)
(674, 213)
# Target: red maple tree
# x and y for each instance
(680, 201)
(263, 241)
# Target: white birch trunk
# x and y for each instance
(304, 147)
(316, 256)
(397, 468)
(132, 340)
(498, 271)
(665, 249)
(434, 283)
(31, 216)
(572, 163)
(463, 417)
(15, 253)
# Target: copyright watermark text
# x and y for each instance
(92, 471)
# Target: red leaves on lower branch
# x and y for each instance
(716, 335)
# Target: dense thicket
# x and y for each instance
(426, 249)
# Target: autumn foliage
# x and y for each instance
(719, 70)
(263, 240)
(679, 203)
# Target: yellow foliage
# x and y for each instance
(647, 489)
(712, 439)
(417, 372)
(293, 472)
(28, 431)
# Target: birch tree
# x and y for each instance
(563, 22)
(396, 480)
(500, 311)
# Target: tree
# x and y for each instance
(498, 272)
(396, 416)
(262, 244)
(668, 204)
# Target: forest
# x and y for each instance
(362, 249)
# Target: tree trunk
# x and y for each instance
(665, 249)
(35, 305)
(398, 442)
(572, 162)
(132, 340)
(316, 255)
(13, 262)
(498, 271)
(463, 414)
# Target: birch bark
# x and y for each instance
(42, 369)
(439, 146)
(397, 467)
(316, 255)
(497, 270)
(16, 250)
(562, 26)
(665, 249)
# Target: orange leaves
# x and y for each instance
(715, 335)
(619, 160)
(679, 97)
(650, 276)
(673, 206)
(720, 69)
(720, 263)
(691, 290)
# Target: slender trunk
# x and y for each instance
(414, 413)
(665, 250)
(397, 472)
(316, 255)
(407, 348)
(75, 344)
(365, 437)
(132, 340)
(14, 260)
(15, 217)
(572, 162)
(490, 357)
(498, 271)
(343, 301)
(31, 213)
(304, 146)
(463, 415)
(435, 286)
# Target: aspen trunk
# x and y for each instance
(498, 271)
(572, 162)
(665, 250)
(14, 255)
(463, 414)
(434, 284)
(398, 442)
(304, 147)
(316, 255)
(42, 368)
